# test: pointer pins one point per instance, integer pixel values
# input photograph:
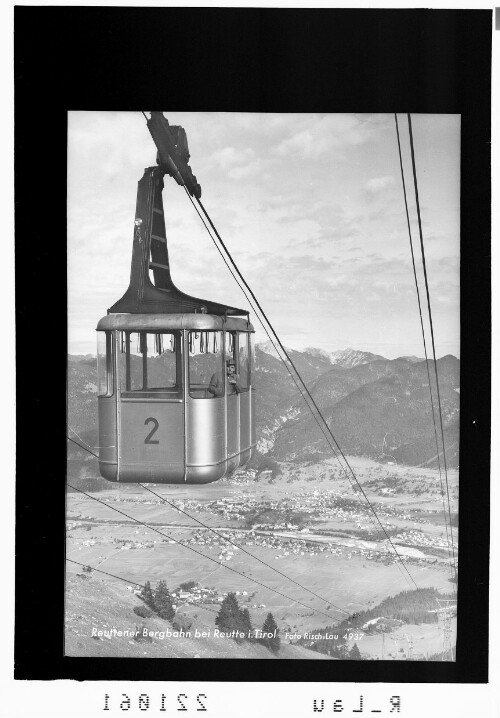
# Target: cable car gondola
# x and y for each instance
(175, 373)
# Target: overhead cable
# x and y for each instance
(320, 425)
(330, 603)
(241, 548)
(311, 398)
(424, 340)
(120, 578)
(431, 328)
(199, 553)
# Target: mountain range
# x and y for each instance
(375, 407)
(346, 358)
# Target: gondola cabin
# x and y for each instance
(175, 373)
(168, 409)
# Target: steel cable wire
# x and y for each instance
(199, 553)
(238, 546)
(311, 398)
(291, 363)
(424, 265)
(311, 409)
(210, 528)
(424, 340)
(330, 603)
(120, 578)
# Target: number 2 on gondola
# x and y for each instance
(148, 439)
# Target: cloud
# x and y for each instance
(377, 184)
(246, 170)
(230, 156)
(320, 134)
(302, 200)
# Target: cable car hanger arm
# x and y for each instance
(149, 249)
(173, 152)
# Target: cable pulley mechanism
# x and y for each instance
(173, 152)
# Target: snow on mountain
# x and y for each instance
(268, 348)
(349, 357)
(346, 358)
(315, 352)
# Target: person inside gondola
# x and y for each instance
(233, 378)
(216, 387)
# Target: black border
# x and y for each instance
(75, 58)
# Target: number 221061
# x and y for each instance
(144, 702)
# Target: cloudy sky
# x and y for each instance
(310, 206)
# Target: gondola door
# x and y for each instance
(233, 409)
(151, 408)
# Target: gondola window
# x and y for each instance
(104, 364)
(150, 362)
(243, 361)
(206, 370)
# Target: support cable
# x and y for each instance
(292, 364)
(78, 436)
(424, 339)
(330, 603)
(311, 398)
(263, 326)
(432, 329)
(261, 322)
(120, 578)
(359, 485)
(85, 448)
(238, 546)
(211, 529)
(203, 555)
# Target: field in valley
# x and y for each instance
(307, 522)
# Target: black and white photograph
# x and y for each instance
(253, 362)
(263, 456)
